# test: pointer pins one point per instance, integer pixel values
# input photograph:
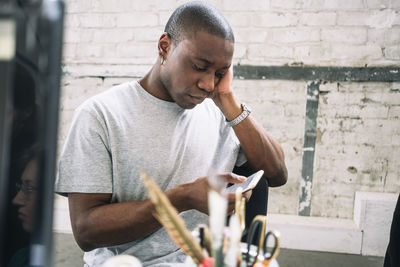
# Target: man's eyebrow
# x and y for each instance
(210, 63)
(204, 60)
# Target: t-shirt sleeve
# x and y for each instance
(85, 164)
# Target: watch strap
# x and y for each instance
(245, 112)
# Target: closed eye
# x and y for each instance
(197, 68)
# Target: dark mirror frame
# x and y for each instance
(38, 45)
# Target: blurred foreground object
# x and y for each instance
(122, 261)
(168, 216)
(226, 248)
(30, 70)
(261, 257)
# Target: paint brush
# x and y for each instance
(217, 207)
(168, 216)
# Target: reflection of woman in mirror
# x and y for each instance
(23, 135)
(25, 201)
(26, 196)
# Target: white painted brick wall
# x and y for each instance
(392, 52)
(333, 5)
(350, 35)
(237, 19)
(276, 19)
(286, 5)
(352, 18)
(78, 35)
(259, 52)
(105, 36)
(355, 53)
(318, 5)
(252, 35)
(381, 19)
(288, 36)
(356, 141)
(112, 6)
(395, 4)
(357, 124)
(363, 28)
(95, 20)
(136, 20)
(378, 4)
(283, 122)
(240, 5)
(318, 18)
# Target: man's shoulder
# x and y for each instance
(115, 93)
(109, 98)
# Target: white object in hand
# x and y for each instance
(249, 184)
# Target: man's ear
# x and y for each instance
(164, 45)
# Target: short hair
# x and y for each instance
(195, 16)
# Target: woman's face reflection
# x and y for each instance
(26, 196)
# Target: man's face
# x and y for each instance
(193, 68)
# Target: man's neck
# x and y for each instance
(151, 82)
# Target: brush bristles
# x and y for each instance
(168, 216)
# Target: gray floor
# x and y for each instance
(301, 258)
(66, 251)
(68, 254)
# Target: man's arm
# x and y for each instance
(261, 150)
(98, 223)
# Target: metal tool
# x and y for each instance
(263, 256)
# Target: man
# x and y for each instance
(180, 122)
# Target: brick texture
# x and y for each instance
(355, 149)
(369, 27)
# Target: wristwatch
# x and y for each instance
(245, 112)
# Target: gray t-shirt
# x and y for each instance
(123, 130)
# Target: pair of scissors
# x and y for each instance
(257, 231)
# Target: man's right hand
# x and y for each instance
(195, 194)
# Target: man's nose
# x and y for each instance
(207, 82)
(19, 199)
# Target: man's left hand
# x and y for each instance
(223, 96)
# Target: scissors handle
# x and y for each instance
(275, 250)
(255, 234)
